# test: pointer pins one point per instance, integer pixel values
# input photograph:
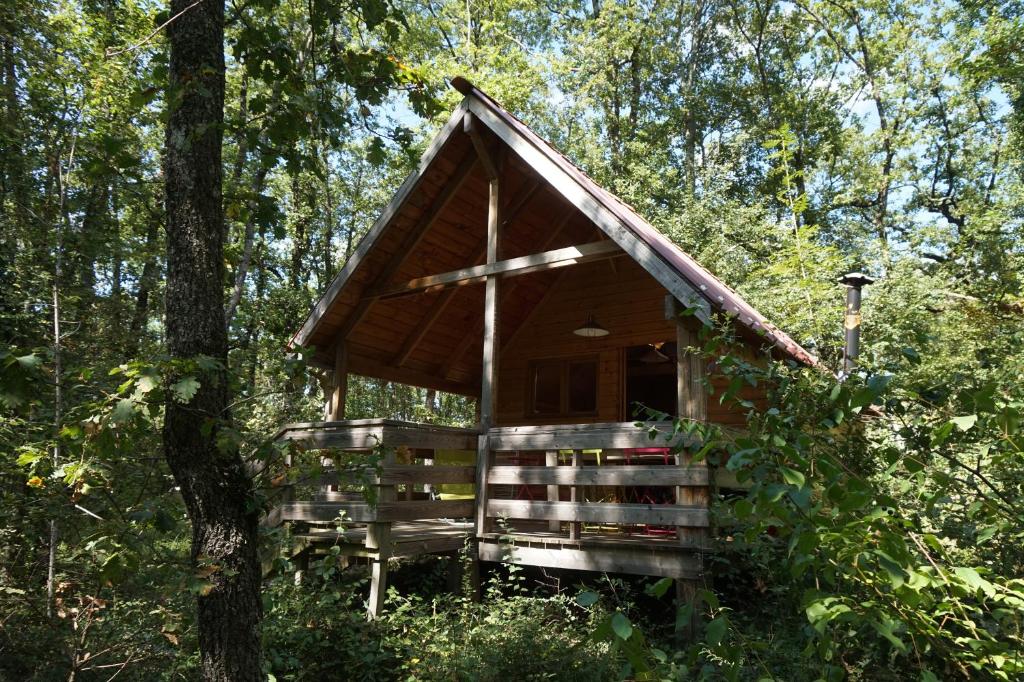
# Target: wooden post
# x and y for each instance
(575, 527)
(692, 404)
(336, 409)
(489, 386)
(489, 376)
(483, 465)
(378, 537)
(692, 396)
(301, 566)
(551, 460)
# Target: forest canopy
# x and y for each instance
(780, 143)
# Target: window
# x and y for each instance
(562, 387)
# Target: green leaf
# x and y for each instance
(940, 434)
(621, 626)
(146, 383)
(974, 581)
(123, 411)
(862, 397)
(29, 362)
(659, 588)
(886, 630)
(743, 508)
(792, 476)
(185, 389)
(587, 598)
(715, 630)
(29, 457)
(911, 355)
(965, 422)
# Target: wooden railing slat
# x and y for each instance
(601, 512)
(627, 475)
(360, 512)
(609, 435)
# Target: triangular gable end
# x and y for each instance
(675, 270)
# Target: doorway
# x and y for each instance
(651, 378)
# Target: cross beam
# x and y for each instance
(547, 260)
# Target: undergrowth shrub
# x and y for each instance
(318, 630)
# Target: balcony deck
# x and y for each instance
(609, 497)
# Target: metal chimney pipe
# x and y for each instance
(854, 281)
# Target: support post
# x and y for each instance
(301, 562)
(551, 460)
(483, 466)
(339, 394)
(378, 537)
(692, 404)
(575, 527)
(489, 375)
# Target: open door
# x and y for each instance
(651, 378)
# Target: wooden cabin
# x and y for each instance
(501, 271)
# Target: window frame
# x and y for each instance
(563, 365)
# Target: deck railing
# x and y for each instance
(617, 445)
(362, 438)
(608, 496)
(385, 479)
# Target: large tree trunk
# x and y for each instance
(213, 483)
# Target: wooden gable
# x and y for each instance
(403, 323)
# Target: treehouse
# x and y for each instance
(501, 271)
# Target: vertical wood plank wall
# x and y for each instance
(626, 300)
(622, 297)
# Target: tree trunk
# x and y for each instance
(213, 482)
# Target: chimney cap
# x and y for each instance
(856, 279)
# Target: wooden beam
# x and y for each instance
(600, 512)
(363, 437)
(632, 475)
(692, 403)
(401, 473)
(471, 128)
(403, 375)
(550, 462)
(513, 267)
(378, 537)
(423, 326)
(575, 528)
(360, 512)
(634, 560)
(489, 379)
(546, 162)
(339, 395)
(484, 462)
(469, 339)
(441, 304)
(692, 396)
(606, 435)
(412, 239)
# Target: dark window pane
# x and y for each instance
(547, 389)
(583, 387)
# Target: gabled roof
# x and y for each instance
(675, 270)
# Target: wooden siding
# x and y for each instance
(622, 297)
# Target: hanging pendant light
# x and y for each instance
(591, 329)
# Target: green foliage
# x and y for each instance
(319, 630)
(872, 509)
(779, 144)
